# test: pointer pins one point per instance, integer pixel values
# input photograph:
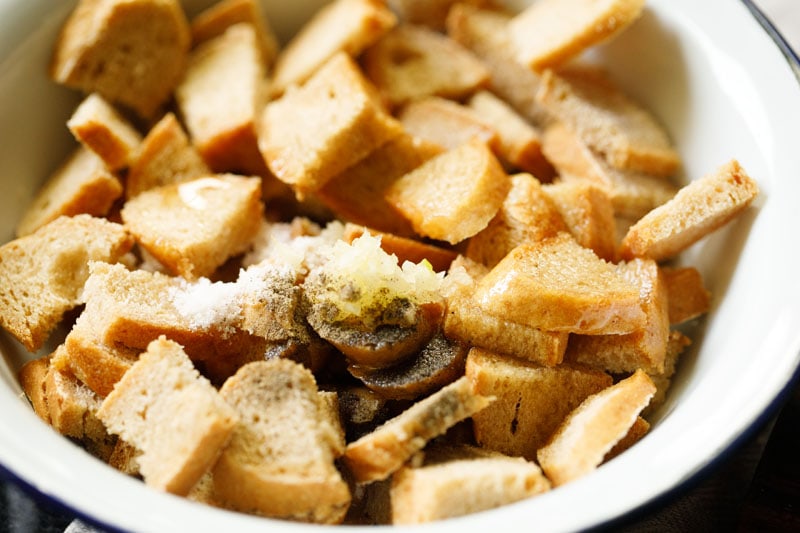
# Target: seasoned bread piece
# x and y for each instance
(637, 431)
(411, 62)
(677, 344)
(132, 52)
(165, 156)
(172, 415)
(593, 428)
(454, 195)
(527, 215)
(588, 212)
(632, 194)
(42, 274)
(342, 122)
(459, 481)
(532, 400)
(430, 13)
(377, 455)
(279, 462)
(645, 348)
(465, 321)
(220, 98)
(348, 26)
(558, 285)
(518, 141)
(406, 249)
(687, 294)
(445, 123)
(698, 209)
(608, 120)
(217, 18)
(32, 378)
(358, 194)
(103, 130)
(194, 227)
(211, 321)
(486, 34)
(551, 32)
(81, 185)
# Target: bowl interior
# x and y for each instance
(722, 90)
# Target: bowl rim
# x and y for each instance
(792, 58)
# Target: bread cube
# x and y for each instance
(103, 130)
(214, 20)
(42, 274)
(176, 451)
(194, 227)
(80, 185)
(280, 460)
(445, 123)
(220, 98)
(558, 285)
(132, 52)
(687, 294)
(593, 428)
(315, 132)
(454, 195)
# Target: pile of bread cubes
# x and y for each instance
(414, 263)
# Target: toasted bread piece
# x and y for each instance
(532, 400)
(430, 13)
(698, 209)
(688, 296)
(454, 195)
(348, 26)
(194, 227)
(465, 481)
(81, 185)
(332, 427)
(342, 123)
(133, 308)
(527, 215)
(279, 462)
(551, 32)
(220, 98)
(175, 450)
(103, 130)
(217, 18)
(518, 141)
(42, 274)
(645, 348)
(73, 406)
(485, 33)
(593, 428)
(406, 249)
(33, 380)
(588, 212)
(358, 193)
(558, 285)
(465, 321)
(445, 123)
(377, 455)
(632, 194)
(608, 120)
(132, 52)
(411, 62)
(165, 156)
(123, 458)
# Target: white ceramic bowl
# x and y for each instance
(723, 85)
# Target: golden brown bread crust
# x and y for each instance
(698, 209)
(130, 51)
(445, 123)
